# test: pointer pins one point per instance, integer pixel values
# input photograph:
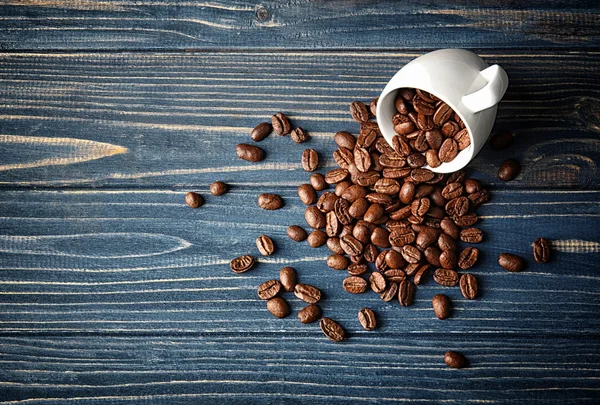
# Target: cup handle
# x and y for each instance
(491, 93)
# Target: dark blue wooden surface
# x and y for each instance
(113, 291)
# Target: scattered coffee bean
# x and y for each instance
(307, 194)
(314, 218)
(310, 160)
(421, 273)
(373, 106)
(448, 259)
(448, 150)
(541, 250)
(299, 135)
(334, 245)
(442, 306)
(355, 285)
(359, 112)
(338, 262)
(316, 238)
(509, 169)
(218, 188)
(332, 329)
(250, 153)
(468, 257)
(194, 200)
(261, 131)
(377, 282)
(270, 201)
(468, 286)
(309, 314)
(296, 233)
(356, 269)
(318, 181)
(335, 176)
(367, 319)
(242, 264)
(345, 140)
(269, 289)
(406, 293)
(455, 360)
(287, 276)
(471, 235)
(265, 245)
(501, 140)
(511, 262)
(445, 277)
(281, 124)
(278, 307)
(307, 293)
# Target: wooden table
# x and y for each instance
(113, 291)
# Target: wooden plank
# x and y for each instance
(160, 24)
(141, 261)
(280, 367)
(158, 120)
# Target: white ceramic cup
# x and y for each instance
(463, 81)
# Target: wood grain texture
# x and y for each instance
(160, 24)
(163, 119)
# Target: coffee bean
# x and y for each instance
(377, 282)
(448, 150)
(356, 269)
(249, 153)
(374, 212)
(403, 125)
(471, 235)
(342, 211)
(442, 114)
(380, 237)
(448, 259)
(390, 292)
(445, 277)
(406, 293)
(541, 250)
(270, 201)
(378, 198)
(367, 319)
(468, 286)
(432, 255)
(296, 233)
(299, 135)
(427, 237)
(334, 245)
(307, 293)
(358, 208)
(353, 193)
(242, 264)
(450, 228)
(370, 253)
(265, 245)
(394, 259)
(218, 188)
(421, 175)
(456, 177)
(314, 218)
(317, 181)
(373, 106)
(338, 262)
(310, 160)
(367, 179)
(362, 231)
(421, 274)
(423, 107)
(269, 289)
(359, 111)
(402, 237)
(194, 200)
(463, 139)
(411, 254)
(511, 262)
(287, 276)
(468, 257)
(281, 124)
(332, 225)
(362, 159)
(411, 269)
(316, 238)
(343, 157)
(326, 202)
(336, 175)
(465, 220)
(442, 306)
(415, 160)
(345, 140)
(432, 159)
(332, 329)
(278, 307)
(449, 129)
(369, 131)
(472, 186)
(309, 314)
(452, 191)
(401, 106)
(261, 131)
(509, 169)
(455, 360)
(387, 186)
(394, 275)
(351, 245)
(446, 242)
(501, 140)
(355, 285)
(307, 194)
(420, 207)
(457, 206)
(479, 197)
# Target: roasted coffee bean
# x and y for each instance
(423, 107)
(511, 262)
(310, 160)
(193, 200)
(479, 197)
(437, 198)
(338, 262)
(287, 276)
(299, 135)
(356, 269)
(432, 159)
(406, 293)
(465, 220)
(411, 269)
(383, 146)
(442, 306)
(421, 274)
(448, 259)
(332, 329)
(316, 238)
(509, 169)
(392, 160)
(380, 237)
(309, 314)
(345, 140)
(394, 259)
(336, 175)
(296, 233)
(452, 191)
(317, 181)
(358, 208)
(455, 360)
(448, 150)
(314, 218)
(249, 153)
(307, 194)
(278, 307)
(307, 293)
(242, 264)
(402, 237)
(421, 175)
(343, 157)
(346, 230)
(326, 202)
(472, 186)
(390, 292)
(362, 231)
(218, 188)
(355, 285)
(407, 192)
(501, 140)
(449, 129)
(462, 139)
(396, 173)
(434, 138)
(261, 131)
(468, 257)
(432, 255)
(369, 131)
(367, 319)
(403, 125)
(387, 186)
(373, 106)
(332, 226)
(424, 123)
(471, 235)
(374, 212)
(442, 114)
(367, 179)
(370, 253)
(401, 105)
(415, 160)
(342, 211)
(420, 207)
(380, 263)
(394, 275)
(359, 112)
(446, 242)
(436, 212)
(456, 177)
(362, 159)
(411, 254)
(406, 93)
(377, 282)
(354, 192)
(541, 250)
(378, 198)
(400, 143)
(457, 206)
(270, 201)
(351, 245)
(426, 237)
(265, 245)
(334, 245)
(445, 277)
(281, 124)
(269, 289)
(468, 286)
(437, 178)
